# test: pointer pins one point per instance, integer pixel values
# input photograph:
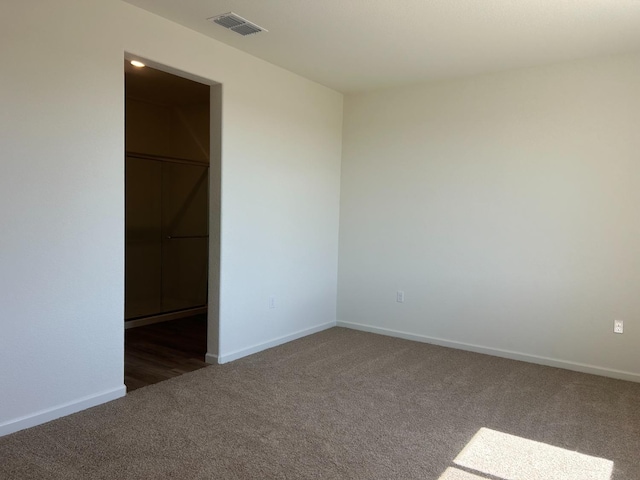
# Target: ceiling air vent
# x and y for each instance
(237, 24)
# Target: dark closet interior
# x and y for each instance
(166, 224)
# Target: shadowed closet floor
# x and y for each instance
(343, 404)
(157, 352)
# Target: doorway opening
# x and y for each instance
(172, 213)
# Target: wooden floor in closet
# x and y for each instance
(157, 352)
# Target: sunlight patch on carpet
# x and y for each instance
(456, 474)
(507, 457)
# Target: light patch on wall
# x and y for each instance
(507, 457)
(137, 63)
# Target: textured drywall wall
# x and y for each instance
(281, 153)
(505, 207)
(62, 182)
(62, 209)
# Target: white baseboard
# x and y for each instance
(44, 416)
(230, 357)
(524, 357)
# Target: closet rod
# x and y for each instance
(178, 237)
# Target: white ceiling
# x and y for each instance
(353, 45)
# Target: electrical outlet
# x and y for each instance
(618, 326)
(272, 301)
(400, 296)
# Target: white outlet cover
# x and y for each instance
(618, 326)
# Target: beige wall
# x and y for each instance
(281, 151)
(61, 178)
(62, 183)
(506, 207)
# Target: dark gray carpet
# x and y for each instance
(344, 404)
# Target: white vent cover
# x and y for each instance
(237, 24)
